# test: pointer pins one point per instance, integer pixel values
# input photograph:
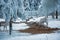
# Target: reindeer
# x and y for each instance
(4, 24)
(43, 20)
(28, 19)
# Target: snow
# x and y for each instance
(18, 20)
(16, 35)
(16, 26)
(20, 26)
(13, 6)
(5, 35)
(52, 36)
(36, 19)
(1, 20)
(53, 23)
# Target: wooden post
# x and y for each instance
(10, 26)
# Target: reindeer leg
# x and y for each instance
(47, 23)
(0, 28)
(3, 28)
(6, 27)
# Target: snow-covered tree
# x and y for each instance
(9, 11)
(49, 6)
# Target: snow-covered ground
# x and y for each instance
(16, 35)
(26, 36)
(20, 26)
(38, 37)
(54, 23)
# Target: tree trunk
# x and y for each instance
(10, 26)
(56, 15)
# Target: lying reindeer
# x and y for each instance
(2, 23)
